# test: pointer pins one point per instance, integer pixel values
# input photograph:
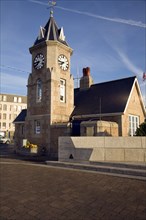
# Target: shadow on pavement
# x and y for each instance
(7, 151)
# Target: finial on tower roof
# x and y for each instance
(51, 6)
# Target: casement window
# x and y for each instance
(19, 99)
(15, 108)
(15, 99)
(133, 124)
(5, 107)
(4, 116)
(39, 91)
(19, 108)
(4, 125)
(37, 127)
(62, 90)
(4, 98)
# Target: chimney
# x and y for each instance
(86, 81)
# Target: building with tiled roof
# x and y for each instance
(55, 108)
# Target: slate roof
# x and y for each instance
(21, 116)
(50, 32)
(103, 98)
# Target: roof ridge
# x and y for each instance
(115, 80)
(109, 81)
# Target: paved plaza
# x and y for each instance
(35, 191)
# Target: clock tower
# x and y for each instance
(50, 89)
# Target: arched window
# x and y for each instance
(62, 90)
(39, 90)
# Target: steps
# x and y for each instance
(129, 170)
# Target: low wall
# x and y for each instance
(115, 149)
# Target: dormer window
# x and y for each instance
(61, 35)
(39, 91)
(42, 33)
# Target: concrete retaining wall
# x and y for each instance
(116, 149)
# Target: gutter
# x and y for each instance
(97, 115)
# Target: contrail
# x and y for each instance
(38, 2)
(117, 20)
(134, 69)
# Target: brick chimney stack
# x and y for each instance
(86, 81)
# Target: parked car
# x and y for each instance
(4, 140)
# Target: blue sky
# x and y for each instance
(108, 36)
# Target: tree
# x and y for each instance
(141, 131)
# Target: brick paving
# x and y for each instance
(39, 192)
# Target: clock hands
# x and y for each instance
(39, 64)
(63, 62)
(39, 61)
(36, 63)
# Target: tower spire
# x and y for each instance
(51, 6)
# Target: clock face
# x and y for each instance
(39, 61)
(63, 62)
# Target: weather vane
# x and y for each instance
(51, 6)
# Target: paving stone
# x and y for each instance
(40, 192)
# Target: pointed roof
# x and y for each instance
(51, 32)
(21, 117)
(103, 98)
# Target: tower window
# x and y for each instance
(37, 127)
(62, 90)
(39, 91)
